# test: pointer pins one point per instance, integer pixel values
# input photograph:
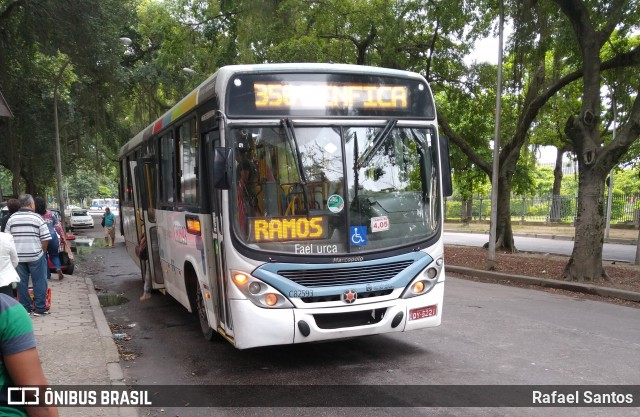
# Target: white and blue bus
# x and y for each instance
(98, 205)
(293, 203)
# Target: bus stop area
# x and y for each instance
(76, 345)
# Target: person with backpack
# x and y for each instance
(109, 224)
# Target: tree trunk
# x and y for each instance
(467, 210)
(504, 231)
(585, 263)
(15, 182)
(31, 186)
(638, 248)
(556, 202)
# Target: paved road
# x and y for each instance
(611, 251)
(490, 334)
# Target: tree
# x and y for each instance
(82, 186)
(539, 30)
(36, 38)
(592, 30)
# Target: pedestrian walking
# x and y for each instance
(109, 220)
(57, 235)
(31, 236)
(9, 278)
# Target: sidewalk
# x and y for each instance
(558, 232)
(76, 346)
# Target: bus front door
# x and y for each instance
(144, 187)
(221, 304)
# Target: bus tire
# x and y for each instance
(201, 311)
(196, 300)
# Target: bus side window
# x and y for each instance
(167, 173)
(188, 162)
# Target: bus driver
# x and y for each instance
(247, 177)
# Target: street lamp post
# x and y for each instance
(495, 175)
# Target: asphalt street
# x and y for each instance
(490, 334)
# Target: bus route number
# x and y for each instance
(301, 293)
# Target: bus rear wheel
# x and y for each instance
(201, 310)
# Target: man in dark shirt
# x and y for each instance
(13, 205)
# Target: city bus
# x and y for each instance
(293, 203)
(98, 205)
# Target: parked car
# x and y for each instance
(80, 218)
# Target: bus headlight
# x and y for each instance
(259, 292)
(425, 280)
(255, 287)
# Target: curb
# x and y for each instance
(550, 236)
(112, 357)
(549, 283)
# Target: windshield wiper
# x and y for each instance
(293, 144)
(377, 142)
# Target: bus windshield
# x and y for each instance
(334, 190)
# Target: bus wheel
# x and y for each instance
(207, 331)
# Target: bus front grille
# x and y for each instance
(327, 298)
(345, 276)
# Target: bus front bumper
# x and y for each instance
(255, 326)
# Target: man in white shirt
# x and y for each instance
(31, 237)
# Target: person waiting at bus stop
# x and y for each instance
(31, 236)
(13, 205)
(57, 235)
(19, 361)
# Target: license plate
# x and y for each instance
(423, 312)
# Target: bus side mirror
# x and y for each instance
(221, 158)
(445, 166)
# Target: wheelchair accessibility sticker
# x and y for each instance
(358, 235)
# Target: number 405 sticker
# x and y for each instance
(379, 224)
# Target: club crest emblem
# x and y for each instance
(349, 296)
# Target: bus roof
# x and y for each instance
(206, 89)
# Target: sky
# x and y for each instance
(486, 50)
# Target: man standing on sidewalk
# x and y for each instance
(31, 236)
(109, 228)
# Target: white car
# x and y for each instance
(80, 218)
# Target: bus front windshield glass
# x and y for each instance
(334, 190)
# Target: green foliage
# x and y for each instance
(627, 181)
(68, 47)
(109, 92)
(82, 187)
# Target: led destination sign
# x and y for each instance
(276, 229)
(313, 95)
(300, 94)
